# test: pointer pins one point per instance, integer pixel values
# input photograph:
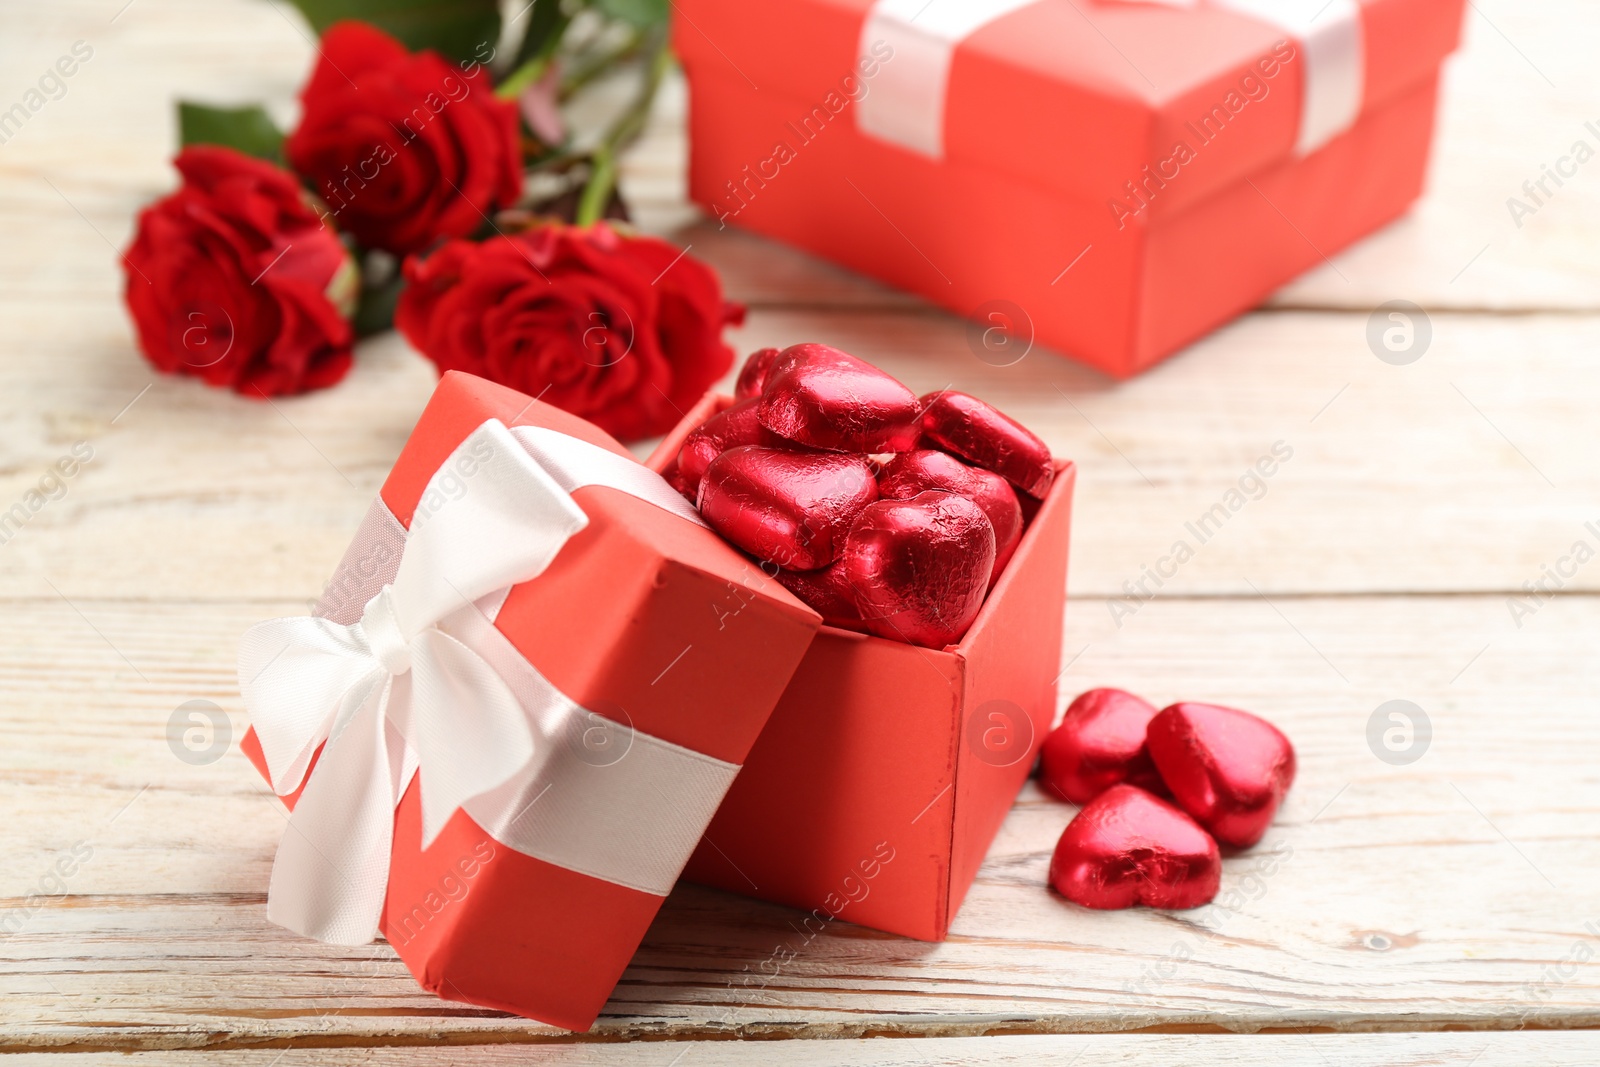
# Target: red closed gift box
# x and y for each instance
(1115, 177)
(611, 688)
(886, 769)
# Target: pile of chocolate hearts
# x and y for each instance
(887, 513)
(1159, 791)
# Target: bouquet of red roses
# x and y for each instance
(433, 183)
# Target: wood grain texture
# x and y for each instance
(1461, 473)
(1456, 891)
(1385, 559)
(1100, 1050)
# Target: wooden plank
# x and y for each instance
(1451, 892)
(1457, 473)
(1102, 1050)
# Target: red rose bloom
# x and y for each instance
(234, 279)
(625, 331)
(404, 148)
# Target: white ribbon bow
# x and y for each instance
(395, 679)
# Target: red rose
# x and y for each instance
(625, 331)
(404, 148)
(235, 279)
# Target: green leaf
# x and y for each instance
(461, 29)
(247, 129)
(642, 13)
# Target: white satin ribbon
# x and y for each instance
(400, 691)
(1334, 53)
(605, 800)
(907, 103)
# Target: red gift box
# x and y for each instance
(886, 769)
(646, 656)
(1115, 177)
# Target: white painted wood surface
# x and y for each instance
(1457, 891)
(1108, 1050)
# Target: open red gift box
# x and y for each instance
(1114, 177)
(647, 660)
(671, 648)
(886, 769)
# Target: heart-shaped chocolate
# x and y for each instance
(753, 375)
(789, 508)
(727, 429)
(919, 568)
(910, 473)
(826, 398)
(1228, 768)
(1130, 847)
(986, 438)
(827, 592)
(1099, 744)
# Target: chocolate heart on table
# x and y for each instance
(986, 438)
(727, 429)
(753, 375)
(1229, 769)
(1130, 847)
(1099, 744)
(789, 508)
(826, 398)
(826, 591)
(919, 568)
(910, 473)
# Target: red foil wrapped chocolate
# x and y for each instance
(826, 398)
(826, 591)
(733, 428)
(1130, 847)
(919, 568)
(811, 398)
(753, 375)
(910, 473)
(790, 508)
(986, 438)
(1100, 743)
(1228, 768)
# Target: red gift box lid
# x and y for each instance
(1153, 103)
(645, 656)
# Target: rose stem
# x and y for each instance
(603, 179)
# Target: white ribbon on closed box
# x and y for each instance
(907, 103)
(422, 684)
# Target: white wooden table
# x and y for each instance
(1439, 911)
